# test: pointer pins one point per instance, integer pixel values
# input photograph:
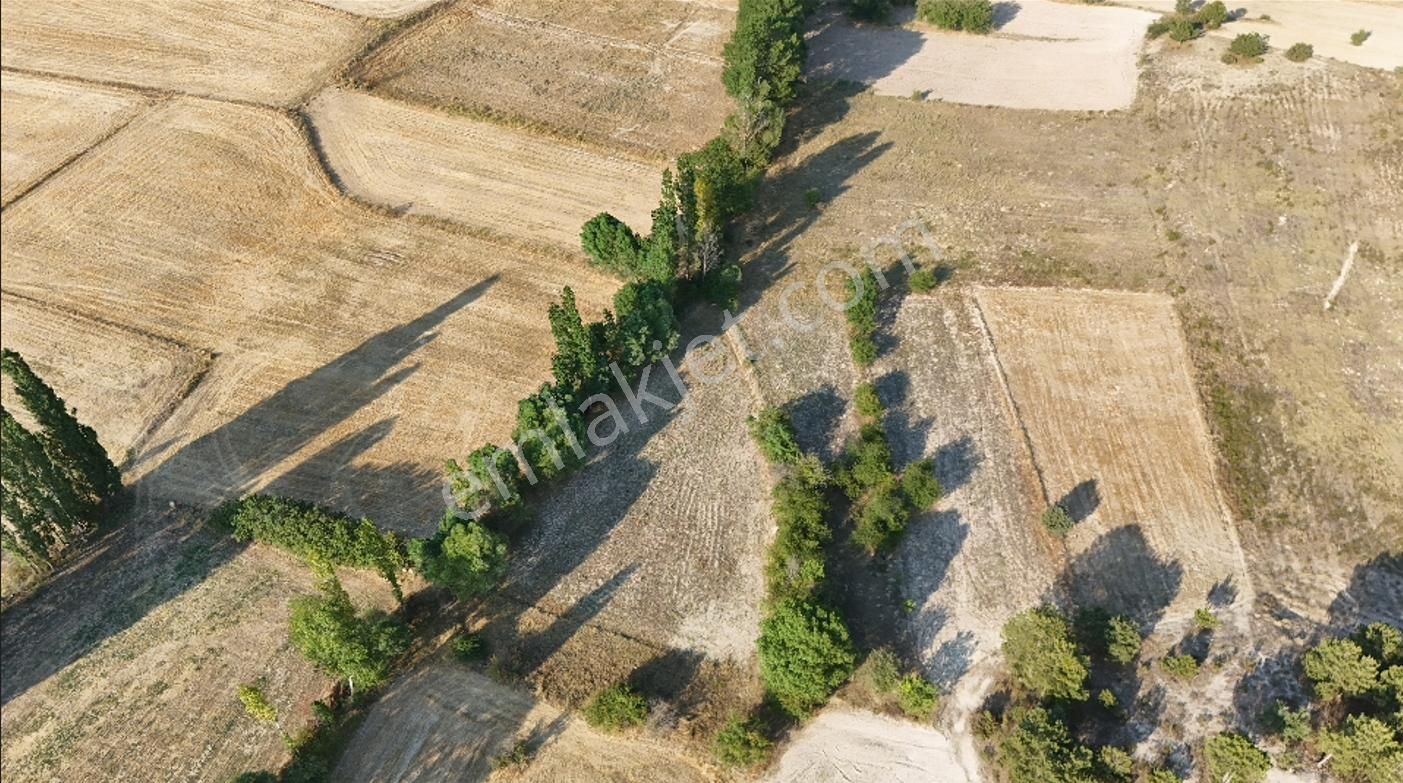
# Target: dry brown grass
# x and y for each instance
(262, 52)
(46, 122)
(127, 663)
(510, 181)
(356, 351)
(643, 77)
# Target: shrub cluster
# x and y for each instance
(1185, 24)
(358, 648)
(774, 434)
(971, 16)
(882, 501)
(1300, 52)
(806, 653)
(1246, 48)
(616, 708)
(741, 744)
(1057, 521)
(311, 531)
(862, 317)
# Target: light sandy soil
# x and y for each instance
(1102, 386)
(265, 52)
(860, 747)
(662, 538)
(46, 122)
(1048, 55)
(109, 664)
(380, 9)
(356, 351)
(446, 722)
(1326, 26)
(141, 375)
(513, 182)
(642, 77)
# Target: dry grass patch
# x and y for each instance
(636, 76)
(263, 52)
(127, 663)
(510, 181)
(356, 351)
(47, 121)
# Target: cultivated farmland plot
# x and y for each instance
(46, 122)
(262, 51)
(356, 350)
(1043, 55)
(640, 77)
(512, 182)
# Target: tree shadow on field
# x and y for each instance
(858, 54)
(1120, 573)
(160, 552)
(956, 462)
(1081, 501)
(816, 417)
(1374, 594)
(1005, 12)
(933, 539)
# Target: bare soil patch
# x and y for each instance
(47, 121)
(641, 77)
(247, 51)
(1047, 55)
(446, 721)
(1102, 386)
(860, 747)
(1325, 26)
(380, 9)
(419, 160)
(356, 350)
(109, 664)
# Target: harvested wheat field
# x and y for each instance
(662, 536)
(1102, 386)
(446, 721)
(107, 668)
(860, 747)
(355, 350)
(1043, 55)
(142, 376)
(1326, 26)
(262, 51)
(638, 77)
(418, 160)
(47, 122)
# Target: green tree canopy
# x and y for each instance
(806, 653)
(1040, 651)
(357, 648)
(1040, 749)
(464, 557)
(1339, 667)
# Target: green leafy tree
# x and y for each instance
(917, 697)
(489, 483)
(764, 58)
(971, 16)
(805, 654)
(1123, 639)
(1042, 656)
(773, 433)
(616, 708)
(1040, 749)
(796, 565)
(1339, 667)
(40, 509)
(1382, 642)
(1057, 521)
(578, 363)
(868, 404)
(920, 486)
(72, 446)
(645, 329)
(612, 246)
(1365, 750)
(881, 518)
(1232, 754)
(356, 648)
(740, 744)
(1248, 46)
(464, 557)
(1212, 15)
(862, 292)
(549, 432)
(867, 464)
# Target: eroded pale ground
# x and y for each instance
(860, 747)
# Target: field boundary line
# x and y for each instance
(144, 89)
(511, 20)
(390, 31)
(147, 107)
(1007, 393)
(507, 596)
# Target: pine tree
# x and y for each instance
(37, 501)
(71, 445)
(576, 363)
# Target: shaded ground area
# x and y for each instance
(109, 663)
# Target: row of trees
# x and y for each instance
(54, 479)
(883, 501)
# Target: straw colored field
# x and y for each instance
(109, 665)
(1045, 55)
(1325, 26)
(258, 51)
(141, 377)
(356, 351)
(644, 77)
(378, 8)
(46, 122)
(444, 721)
(510, 181)
(1102, 385)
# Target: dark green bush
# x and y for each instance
(1212, 15)
(1248, 46)
(308, 530)
(469, 647)
(971, 16)
(740, 744)
(923, 281)
(1233, 755)
(611, 245)
(862, 294)
(867, 463)
(806, 653)
(1041, 749)
(464, 556)
(796, 564)
(774, 435)
(1057, 521)
(1038, 646)
(615, 708)
(881, 518)
(920, 486)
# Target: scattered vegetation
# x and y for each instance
(616, 708)
(1184, 667)
(971, 16)
(1300, 52)
(1232, 756)
(740, 744)
(1057, 521)
(1358, 37)
(917, 696)
(1186, 24)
